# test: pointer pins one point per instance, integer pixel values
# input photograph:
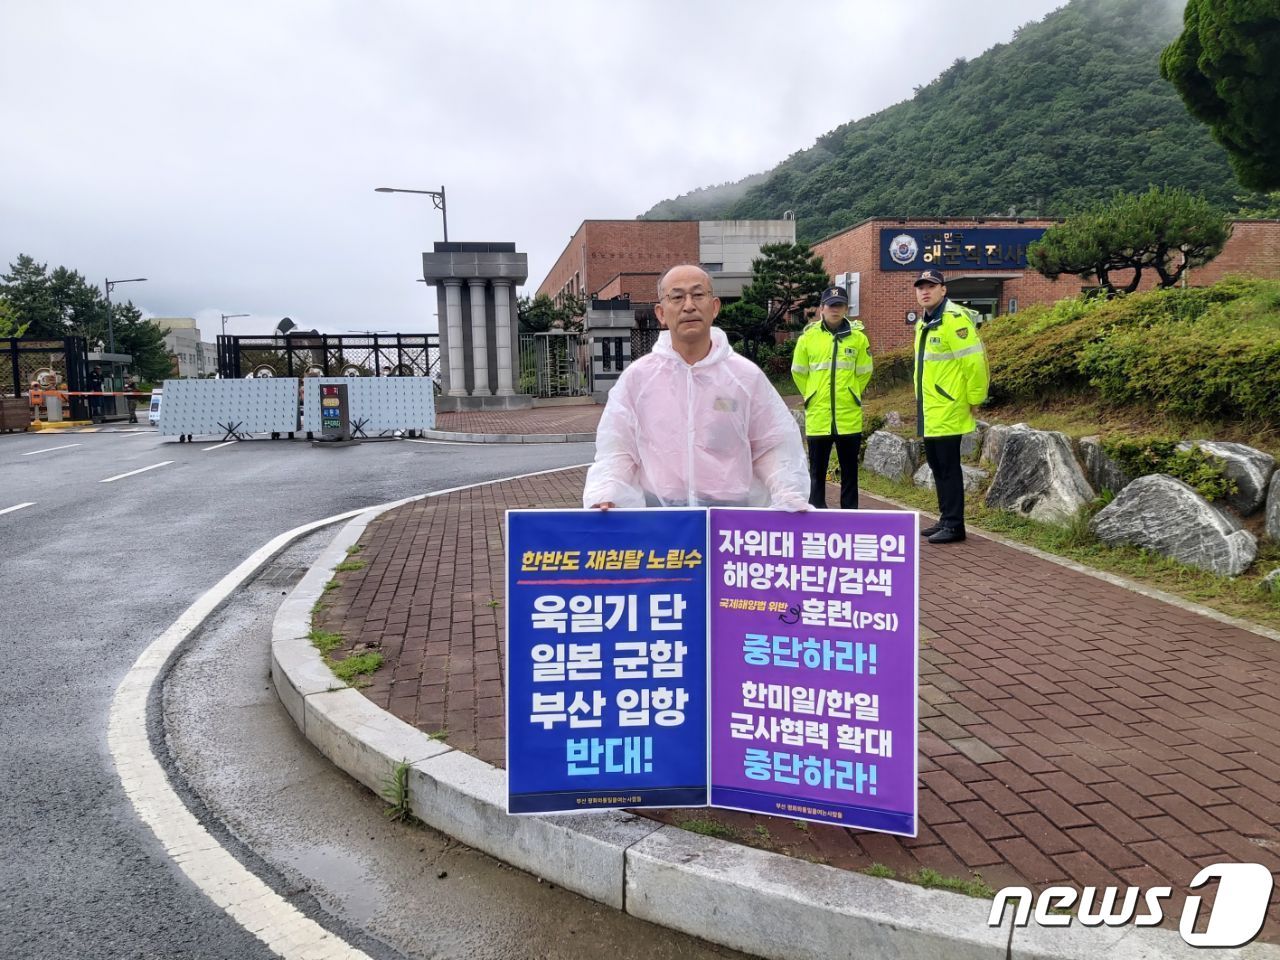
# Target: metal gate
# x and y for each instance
(47, 363)
(322, 355)
(555, 364)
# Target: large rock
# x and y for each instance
(1038, 476)
(971, 442)
(1271, 582)
(1160, 513)
(973, 478)
(1251, 470)
(993, 441)
(892, 456)
(1272, 523)
(1100, 470)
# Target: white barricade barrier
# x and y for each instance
(230, 408)
(376, 405)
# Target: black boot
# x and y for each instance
(948, 535)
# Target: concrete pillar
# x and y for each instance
(479, 340)
(502, 320)
(453, 318)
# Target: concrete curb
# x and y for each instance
(747, 899)
(508, 437)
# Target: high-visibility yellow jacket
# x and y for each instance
(950, 372)
(832, 370)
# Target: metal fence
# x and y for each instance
(642, 340)
(555, 364)
(47, 363)
(321, 355)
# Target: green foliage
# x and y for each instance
(349, 565)
(1224, 66)
(1069, 111)
(709, 828)
(1165, 229)
(9, 325)
(1199, 353)
(542, 313)
(356, 665)
(62, 303)
(1139, 456)
(786, 280)
(325, 641)
(880, 870)
(773, 358)
(973, 886)
(395, 790)
(892, 368)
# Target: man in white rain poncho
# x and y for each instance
(693, 423)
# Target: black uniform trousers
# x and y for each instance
(943, 454)
(847, 446)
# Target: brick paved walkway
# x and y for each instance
(1071, 731)
(571, 418)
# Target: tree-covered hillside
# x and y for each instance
(1071, 110)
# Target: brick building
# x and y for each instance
(606, 259)
(984, 261)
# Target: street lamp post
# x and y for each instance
(230, 316)
(111, 325)
(437, 200)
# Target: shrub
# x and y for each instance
(1139, 456)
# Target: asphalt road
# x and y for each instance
(90, 573)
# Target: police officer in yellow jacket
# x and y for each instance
(831, 365)
(950, 381)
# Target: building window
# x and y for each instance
(713, 267)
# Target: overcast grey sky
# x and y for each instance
(228, 151)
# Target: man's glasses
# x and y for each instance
(676, 298)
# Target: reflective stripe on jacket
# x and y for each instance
(950, 373)
(831, 370)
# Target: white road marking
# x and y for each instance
(61, 446)
(219, 446)
(132, 473)
(18, 507)
(445, 443)
(222, 878)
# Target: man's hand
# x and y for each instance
(603, 506)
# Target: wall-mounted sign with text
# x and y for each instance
(960, 248)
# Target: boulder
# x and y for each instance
(1271, 582)
(1038, 476)
(1251, 470)
(993, 441)
(973, 477)
(892, 456)
(971, 442)
(1160, 513)
(1100, 470)
(893, 419)
(1272, 522)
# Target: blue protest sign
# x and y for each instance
(606, 659)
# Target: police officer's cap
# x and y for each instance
(834, 295)
(930, 276)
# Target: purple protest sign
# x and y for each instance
(813, 679)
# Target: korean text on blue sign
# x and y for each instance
(813, 692)
(959, 248)
(606, 659)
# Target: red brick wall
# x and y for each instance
(602, 249)
(638, 287)
(886, 296)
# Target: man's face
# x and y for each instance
(688, 308)
(834, 313)
(929, 295)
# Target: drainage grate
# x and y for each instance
(279, 575)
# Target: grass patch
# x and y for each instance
(348, 565)
(439, 735)
(973, 886)
(1241, 596)
(880, 870)
(357, 665)
(709, 828)
(354, 549)
(331, 585)
(325, 642)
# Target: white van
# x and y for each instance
(153, 414)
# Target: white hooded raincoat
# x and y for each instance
(712, 434)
